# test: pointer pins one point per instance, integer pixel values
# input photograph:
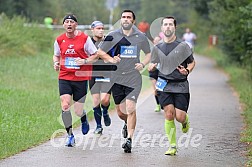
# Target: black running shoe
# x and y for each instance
(127, 146)
(125, 131)
(107, 120)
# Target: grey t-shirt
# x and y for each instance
(128, 47)
(170, 56)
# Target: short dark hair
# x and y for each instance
(169, 17)
(127, 10)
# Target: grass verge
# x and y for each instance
(30, 104)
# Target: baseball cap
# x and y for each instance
(70, 16)
(96, 23)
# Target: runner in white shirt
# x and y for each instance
(189, 37)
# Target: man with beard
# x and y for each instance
(176, 61)
(124, 46)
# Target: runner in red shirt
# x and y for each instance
(74, 52)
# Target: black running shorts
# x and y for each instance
(121, 93)
(77, 89)
(179, 100)
(97, 87)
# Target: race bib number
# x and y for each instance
(128, 52)
(160, 84)
(102, 79)
(70, 63)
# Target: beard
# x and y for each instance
(127, 27)
(168, 33)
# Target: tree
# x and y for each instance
(226, 16)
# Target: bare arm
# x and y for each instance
(186, 71)
(140, 66)
(191, 66)
(91, 59)
(56, 62)
(107, 58)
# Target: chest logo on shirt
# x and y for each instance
(70, 49)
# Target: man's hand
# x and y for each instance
(152, 66)
(139, 66)
(113, 60)
(56, 66)
(182, 70)
(80, 61)
(116, 59)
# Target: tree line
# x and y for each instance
(230, 20)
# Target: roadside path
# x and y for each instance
(213, 140)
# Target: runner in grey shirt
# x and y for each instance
(124, 46)
(176, 62)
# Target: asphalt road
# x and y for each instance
(212, 141)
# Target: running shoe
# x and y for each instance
(85, 127)
(107, 120)
(186, 125)
(125, 131)
(158, 108)
(98, 130)
(172, 151)
(70, 141)
(127, 146)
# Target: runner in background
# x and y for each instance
(154, 76)
(189, 37)
(100, 85)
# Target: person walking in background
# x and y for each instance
(189, 37)
(73, 50)
(100, 85)
(126, 43)
(176, 61)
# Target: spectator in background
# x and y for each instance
(189, 37)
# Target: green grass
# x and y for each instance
(29, 99)
(240, 80)
(30, 104)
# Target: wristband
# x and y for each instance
(85, 61)
(142, 64)
(187, 71)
